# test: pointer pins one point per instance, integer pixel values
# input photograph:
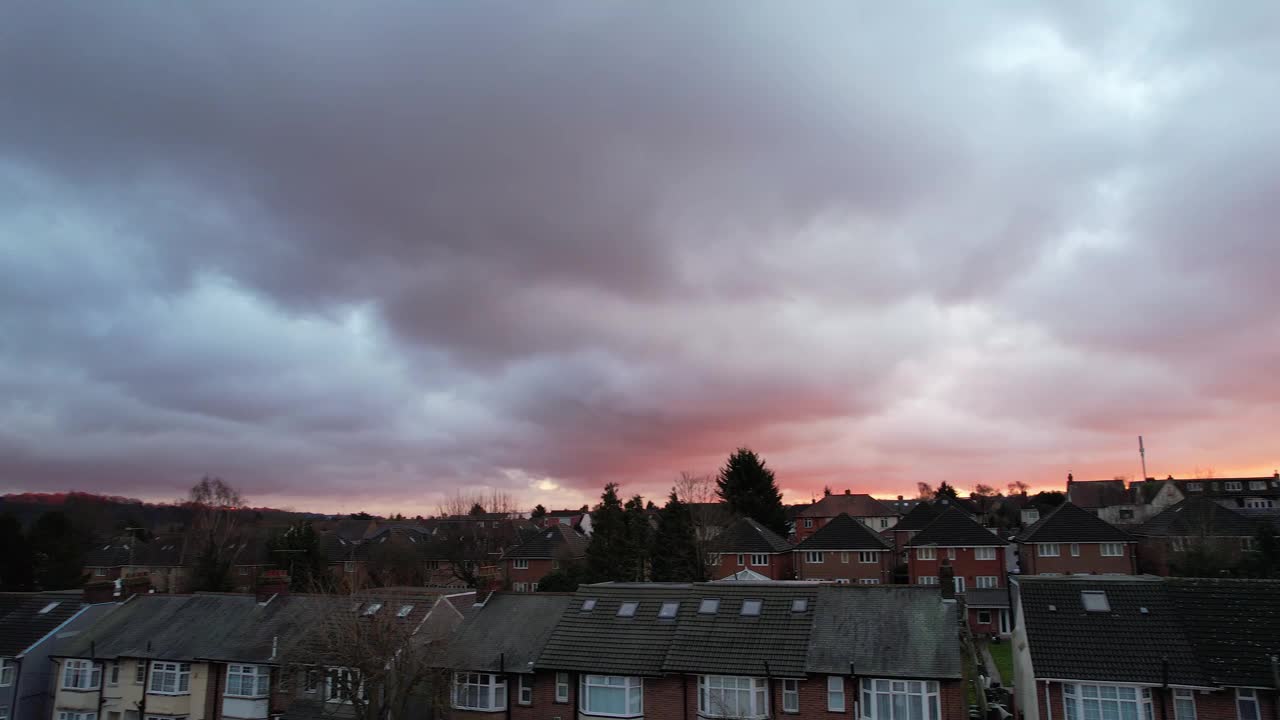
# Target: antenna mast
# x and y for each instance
(1142, 452)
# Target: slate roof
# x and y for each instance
(22, 624)
(857, 505)
(918, 517)
(510, 630)
(599, 641)
(885, 631)
(1215, 632)
(745, 535)
(1197, 516)
(901, 506)
(1217, 487)
(844, 533)
(728, 642)
(552, 542)
(1071, 524)
(1093, 494)
(954, 528)
(986, 597)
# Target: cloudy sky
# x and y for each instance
(356, 255)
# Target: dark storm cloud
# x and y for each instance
(411, 245)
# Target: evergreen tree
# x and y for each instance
(566, 579)
(609, 556)
(538, 511)
(476, 509)
(1264, 560)
(17, 562)
(749, 489)
(945, 491)
(639, 532)
(297, 550)
(58, 547)
(675, 556)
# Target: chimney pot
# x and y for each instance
(847, 491)
(1070, 477)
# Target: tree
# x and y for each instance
(58, 547)
(612, 554)
(567, 579)
(1264, 560)
(538, 511)
(476, 509)
(1017, 487)
(710, 516)
(924, 491)
(826, 491)
(675, 555)
(297, 550)
(639, 534)
(749, 489)
(214, 506)
(212, 572)
(17, 562)
(945, 491)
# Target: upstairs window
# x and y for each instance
(1247, 704)
(835, 693)
(984, 553)
(759, 559)
(1075, 549)
(1184, 704)
(248, 681)
(752, 607)
(669, 610)
(1233, 485)
(901, 699)
(1112, 549)
(526, 690)
(1257, 485)
(709, 606)
(927, 580)
(479, 691)
(813, 557)
(1095, 601)
(169, 678)
(6, 672)
(1194, 487)
(986, 581)
(520, 564)
(926, 553)
(867, 557)
(81, 675)
(791, 696)
(730, 696)
(628, 609)
(1106, 701)
(1048, 550)
(808, 522)
(562, 687)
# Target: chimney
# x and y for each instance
(847, 491)
(270, 584)
(137, 584)
(899, 498)
(1070, 478)
(103, 591)
(947, 581)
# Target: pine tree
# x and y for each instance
(17, 563)
(58, 546)
(945, 491)
(607, 555)
(297, 550)
(675, 556)
(538, 511)
(749, 489)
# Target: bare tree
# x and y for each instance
(710, 516)
(1017, 487)
(924, 491)
(463, 501)
(215, 507)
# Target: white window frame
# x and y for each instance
(1246, 696)
(336, 692)
(984, 553)
(520, 564)
(6, 672)
(165, 675)
(1075, 549)
(632, 688)
(1074, 698)
(959, 583)
(927, 580)
(1194, 487)
(868, 557)
(562, 687)
(981, 613)
(257, 678)
(1257, 485)
(1232, 486)
(1111, 549)
(808, 522)
(1048, 549)
(987, 582)
(868, 581)
(490, 691)
(524, 690)
(73, 715)
(835, 694)
(754, 689)
(926, 553)
(310, 680)
(884, 523)
(81, 675)
(951, 553)
(814, 557)
(139, 672)
(844, 557)
(1184, 704)
(791, 696)
(873, 689)
(113, 677)
(742, 560)
(759, 560)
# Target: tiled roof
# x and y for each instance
(1269, 486)
(599, 641)
(1214, 632)
(955, 528)
(986, 597)
(1097, 493)
(1198, 516)
(1070, 523)
(553, 542)
(774, 642)
(902, 507)
(857, 505)
(511, 629)
(918, 517)
(890, 631)
(22, 622)
(844, 533)
(748, 536)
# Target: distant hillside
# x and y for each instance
(103, 514)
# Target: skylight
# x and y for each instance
(669, 609)
(751, 607)
(628, 609)
(1095, 601)
(404, 611)
(709, 606)
(799, 605)
(373, 608)
(48, 607)
(588, 605)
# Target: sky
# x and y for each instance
(357, 256)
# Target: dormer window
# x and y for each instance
(1257, 485)
(44, 610)
(628, 609)
(1233, 485)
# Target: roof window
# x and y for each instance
(1095, 601)
(628, 609)
(799, 605)
(372, 608)
(404, 611)
(751, 607)
(48, 607)
(669, 609)
(588, 605)
(709, 606)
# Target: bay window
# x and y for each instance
(479, 691)
(168, 678)
(731, 696)
(1184, 704)
(899, 699)
(81, 675)
(612, 695)
(1247, 704)
(1106, 702)
(248, 681)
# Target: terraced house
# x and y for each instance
(29, 622)
(710, 650)
(1136, 648)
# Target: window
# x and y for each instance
(959, 583)
(612, 695)
(562, 687)
(1194, 487)
(6, 672)
(372, 608)
(730, 696)
(813, 557)
(742, 560)
(926, 553)
(1247, 704)
(1075, 549)
(588, 605)
(799, 605)
(1095, 601)
(1048, 550)
(884, 523)
(867, 557)
(526, 690)
(4, 712)
(248, 681)
(1112, 549)
(47, 608)
(868, 581)
(349, 566)
(479, 691)
(951, 553)
(64, 715)
(310, 680)
(404, 611)
(520, 587)
(835, 693)
(139, 673)
(759, 559)
(844, 557)
(81, 675)
(1229, 485)
(808, 522)
(900, 699)
(520, 564)
(791, 696)
(244, 570)
(1257, 485)
(1126, 513)
(669, 609)
(1032, 515)
(1112, 702)
(927, 580)
(751, 607)
(170, 678)
(628, 609)
(112, 679)
(1184, 704)
(709, 606)
(984, 617)
(555, 564)
(984, 553)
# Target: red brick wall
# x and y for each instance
(964, 566)
(831, 568)
(1090, 560)
(537, 570)
(779, 567)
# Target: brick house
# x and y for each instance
(1195, 525)
(976, 555)
(165, 559)
(1240, 494)
(29, 623)
(579, 520)
(846, 551)
(526, 564)
(679, 651)
(746, 544)
(1073, 541)
(875, 514)
(916, 519)
(1097, 646)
